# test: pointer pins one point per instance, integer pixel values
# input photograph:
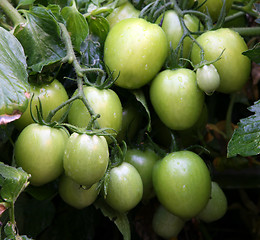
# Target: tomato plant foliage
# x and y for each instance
(128, 144)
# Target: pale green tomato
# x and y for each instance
(216, 206)
(233, 68)
(126, 10)
(166, 224)
(85, 158)
(136, 51)
(176, 98)
(104, 102)
(76, 195)
(172, 27)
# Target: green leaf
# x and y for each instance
(245, 140)
(139, 95)
(13, 182)
(99, 26)
(254, 53)
(41, 39)
(120, 219)
(25, 2)
(9, 230)
(13, 77)
(76, 25)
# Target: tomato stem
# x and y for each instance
(248, 31)
(12, 12)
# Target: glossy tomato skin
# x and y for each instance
(182, 183)
(125, 188)
(176, 98)
(233, 67)
(143, 161)
(39, 151)
(85, 158)
(172, 27)
(126, 10)
(104, 102)
(214, 7)
(216, 206)
(166, 224)
(75, 195)
(135, 49)
(51, 95)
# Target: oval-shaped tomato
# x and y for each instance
(144, 162)
(176, 98)
(51, 95)
(76, 195)
(216, 206)
(135, 50)
(86, 158)
(125, 188)
(233, 68)
(172, 27)
(182, 183)
(39, 151)
(104, 102)
(214, 7)
(208, 78)
(124, 11)
(166, 224)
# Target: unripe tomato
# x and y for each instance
(39, 151)
(126, 10)
(166, 224)
(214, 7)
(136, 50)
(216, 206)
(125, 188)
(233, 68)
(176, 98)
(172, 27)
(104, 102)
(144, 162)
(182, 183)
(75, 195)
(208, 78)
(86, 158)
(51, 95)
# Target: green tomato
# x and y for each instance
(144, 162)
(233, 68)
(182, 183)
(166, 224)
(51, 95)
(125, 188)
(124, 11)
(216, 206)
(176, 98)
(208, 79)
(39, 151)
(75, 195)
(172, 27)
(214, 7)
(135, 51)
(104, 102)
(86, 158)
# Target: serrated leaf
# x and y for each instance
(13, 182)
(76, 25)
(245, 140)
(13, 78)
(40, 38)
(139, 95)
(120, 219)
(99, 26)
(254, 53)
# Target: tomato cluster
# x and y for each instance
(98, 144)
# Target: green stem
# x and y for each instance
(11, 12)
(229, 130)
(248, 31)
(247, 9)
(234, 16)
(11, 213)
